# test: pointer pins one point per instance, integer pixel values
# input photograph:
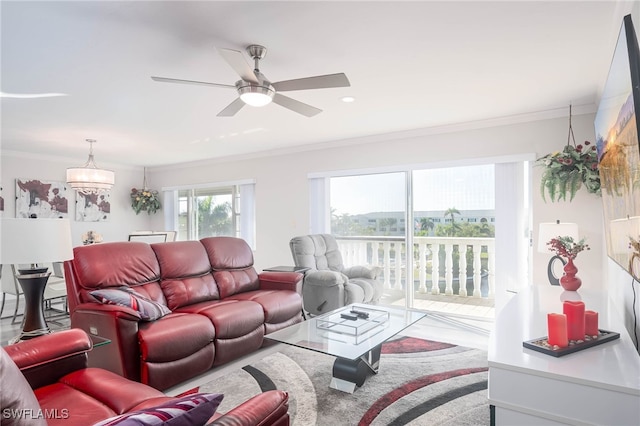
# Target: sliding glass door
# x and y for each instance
(369, 219)
(453, 239)
(432, 231)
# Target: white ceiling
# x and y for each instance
(412, 65)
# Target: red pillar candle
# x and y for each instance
(591, 323)
(557, 325)
(575, 319)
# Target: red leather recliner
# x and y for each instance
(61, 388)
(221, 308)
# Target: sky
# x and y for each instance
(465, 188)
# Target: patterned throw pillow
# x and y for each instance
(191, 410)
(124, 296)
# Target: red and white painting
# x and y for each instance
(41, 199)
(93, 207)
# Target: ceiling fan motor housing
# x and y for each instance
(256, 94)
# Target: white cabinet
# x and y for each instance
(598, 385)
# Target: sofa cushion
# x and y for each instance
(114, 264)
(278, 305)
(185, 273)
(236, 281)
(174, 348)
(124, 296)
(191, 410)
(239, 326)
(228, 253)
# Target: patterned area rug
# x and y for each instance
(419, 382)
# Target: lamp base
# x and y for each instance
(34, 324)
(553, 279)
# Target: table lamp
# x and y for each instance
(548, 231)
(34, 241)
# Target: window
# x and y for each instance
(208, 210)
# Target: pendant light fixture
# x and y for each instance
(89, 178)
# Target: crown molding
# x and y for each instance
(560, 112)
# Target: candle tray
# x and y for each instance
(541, 344)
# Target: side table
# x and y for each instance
(99, 355)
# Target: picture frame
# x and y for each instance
(92, 207)
(42, 199)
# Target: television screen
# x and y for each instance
(618, 147)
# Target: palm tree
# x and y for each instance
(426, 224)
(452, 211)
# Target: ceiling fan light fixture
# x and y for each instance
(255, 95)
(89, 178)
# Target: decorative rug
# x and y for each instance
(420, 382)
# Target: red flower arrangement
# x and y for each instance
(566, 247)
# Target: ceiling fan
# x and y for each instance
(254, 89)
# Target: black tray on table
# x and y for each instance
(540, 344)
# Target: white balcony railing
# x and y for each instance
(438, 267)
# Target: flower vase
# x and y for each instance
(569, 281)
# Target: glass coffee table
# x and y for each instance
(353, 334)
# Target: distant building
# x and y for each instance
(394, 223)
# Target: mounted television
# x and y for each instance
(618, 148)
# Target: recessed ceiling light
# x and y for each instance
(30, 95)
(348, 99)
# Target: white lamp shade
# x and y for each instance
(621, 230)
(548, 231)
(35, 241)
(87, 178)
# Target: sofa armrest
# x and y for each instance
(267, 408)
(118, 324)
(281, 281)
(45, 359)
(361, 271)
(122, 312)
(325, 278)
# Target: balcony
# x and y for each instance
(438, 270)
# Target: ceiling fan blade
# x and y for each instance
(296, 106)
(203, 83)
(232, 108)
(239, 64)
(317, 82)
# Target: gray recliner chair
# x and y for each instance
(328, 284)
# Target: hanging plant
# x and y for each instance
(565, 172)
(145, 199)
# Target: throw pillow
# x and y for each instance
(124, 296)
(191, 410)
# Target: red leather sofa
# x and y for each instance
(46, 381)
(221, 308)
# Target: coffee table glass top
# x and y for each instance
(337, 333)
